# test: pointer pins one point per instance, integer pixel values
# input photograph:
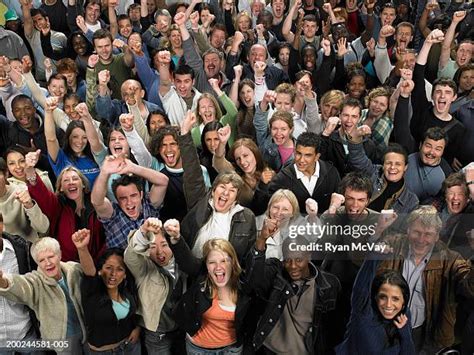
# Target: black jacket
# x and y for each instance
(273, 284)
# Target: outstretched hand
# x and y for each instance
(81, 238)
(172, 228)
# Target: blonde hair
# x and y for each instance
(380, 91)
(237, 18)
(282, 194)
(85, 182)
(224, 246)
(427, 215)
(206, 95)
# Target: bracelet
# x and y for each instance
(470, 182)
(31, 179)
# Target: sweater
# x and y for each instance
(18, 220)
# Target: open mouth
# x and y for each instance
(118, 149)
(220, 276)
(441, 105)
(169, 158)
(131, 210)
(222, 202)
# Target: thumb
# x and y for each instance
(32, 144)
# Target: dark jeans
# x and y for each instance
(164, 343)
(125, 348)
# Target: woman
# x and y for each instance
(464, 77)
(379, 323)
(109, 301)
(356, 84)
(15, 158)
(156, 120)
(208, 110)
(76, 150)
(80, 48)
(213, 309)
(331, 104)
(209, 144)
(275, 139)
(243, 22)
(68, 210)
(53, 293)
(248, 163)
(243, 97)
(176, 44)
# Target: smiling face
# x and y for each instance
(443, 96)
(244, 24)
(245, 160)
(466, 80)
(49, 264)
(103, 47)
(113, 272)
(118, 143)
(170, 153)
(378, 106)
(78, 141)
(356, 87)
(211, 140)
(464, 54)
(79, 45)
(40, 22)
(389, 300)
(130, 200)
(431, 151)
(247, 96)
(156, 122)
(125, 27)
(283, 102)
(349, 116)
(16, 165)
(219, 267)
(224, 197)
(297, 266)
(280, 132)
(175, 39)
(160, 251)
(309, 59)
(184, 84)
(207, 110)
(284, 56)
(217, 38)
(355, 202)
(72, 186)
(24, 113)
(305, 159)
(57, 88)
(421, 238)
(329, 109)
(456, 199)
(92, 13)
(394, 166)
(281, 210)
(388, 16)
(69, 108)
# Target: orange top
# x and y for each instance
(217, 328)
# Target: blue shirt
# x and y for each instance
(86, 165)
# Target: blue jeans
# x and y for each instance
(192, 349)
(125, 348)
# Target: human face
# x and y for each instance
(205, 14)
(219, 267)
(16, 165)
(78, 141)
(256, 7)
(387, 16)
(431, 151)
(349, 116)
(151, 5)
(57, 88)
(464, 54)
(70, 78)
(160, 251)
(278, 8)
(170, 153)
(49, 264)
(224, 197)
(40, 22)
(297, 266)
(305, 159)
(443, 96)
(125, 27)
(302, 85)
(92, 13)
(421, 238)
(356, 87)
(184, 84)
(409, 60)
(103, 47)
(403, 37)
(281, 132)
(244, 24)
(211, 140)
(329, 109)
(389, 300)
(245, 160)
(355, 202)
(113, 272)
(212, 64)
(207, 110)
(284, 56)
(134, 14)
(394, 166)
(130, 200)
(132, 87)
(378, 106)
(309, 29)
(69, 108)
(281, 210)
(118, 143)
(257, 53)
(247, 96)
(72, 186)
(175, 39)
(217, 39)
(24, 113)
(283, 102)
(456, 199)
(466, 80)
(156, 122)
(79, 45)
(309, 59)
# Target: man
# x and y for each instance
(57, 14)
(308, 177)
(181, 97)
(12, 44)
(278, 11)
(132, 208)
(18, 322)
(435, 274)
(119, 66)
(34, 22)
(310, 28)
(153, 36)
(91, 19)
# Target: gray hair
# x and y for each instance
(43, 244)
(427, 215)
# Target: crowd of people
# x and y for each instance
(236, 177)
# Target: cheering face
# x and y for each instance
(387, 16)
(130, 200)
(283, 102)
(40, 22)
(403, 37)
(78, 141)
(456, 199)
(24, 113)
(297, 265)
(170, 153)
(466, 80)
(211, 140)
(72, 186)
(49, 264)
(103, 47)
(464, 54)
(349, 116)
(378, 106)
(278, 8)
(92, 13)
(118, 143)
(355, 202)
(394, 166)
(157, 121)
(175, 39)
(356, 87)
(212, 64)
(217, 39)
(219, 267)
(329, 109)
(431, 151)
(160, 251)
(257, 53)
(245, 160)
(57, 88)
(16, 165)
(125, 27)
(443, 96)
(284, 56)
(309, 59)
(280, 132)
(69, 108)
(421, 238)
(389, 300)
(113, 272)
(184, 84)
(281, 210)
(247, 96)
(224, 197)
(244, 24)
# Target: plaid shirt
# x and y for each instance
(381, 129)
(119, 225)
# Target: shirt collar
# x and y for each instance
(426, 258)
(300, 175)
(7, 245)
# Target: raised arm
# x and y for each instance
(81, 240)
(52, 142)
(92, 135)
(234, 88)
(286, 29)
(112, 17)
(140, 151)
(382, 63)
(26, 6)
(164, 60)
(219, 162)
(449, 38)
(357, 157)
